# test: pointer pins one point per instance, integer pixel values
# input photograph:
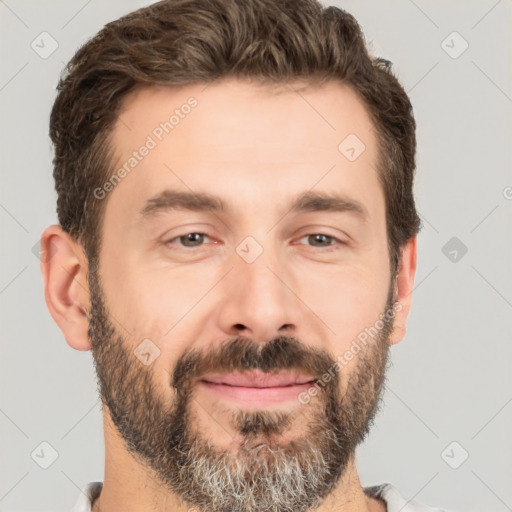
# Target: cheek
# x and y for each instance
(151, 299)
(158, 304)
(347, 301)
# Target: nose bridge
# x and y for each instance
(258, 301)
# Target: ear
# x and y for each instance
(404, 285)
(64, 269)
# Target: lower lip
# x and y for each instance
(270, 395)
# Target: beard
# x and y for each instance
(265, 473)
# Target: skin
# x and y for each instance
(257, 148)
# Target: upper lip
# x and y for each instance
(258, 379)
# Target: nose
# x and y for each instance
(258, 300)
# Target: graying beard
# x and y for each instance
(266, 480)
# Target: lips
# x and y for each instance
(258, 379)
(256, 389)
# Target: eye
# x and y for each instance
(189, 239)
(321, 240)
(197, 239)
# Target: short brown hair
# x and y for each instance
(180, 42)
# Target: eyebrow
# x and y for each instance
(169, 200)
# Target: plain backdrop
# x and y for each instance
(443, 435)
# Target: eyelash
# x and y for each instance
(330, 247)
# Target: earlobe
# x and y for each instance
(403, 289)
(64, 271)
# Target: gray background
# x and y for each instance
(451, 378)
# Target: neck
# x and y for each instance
(129, 486)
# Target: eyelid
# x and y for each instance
(177, 237)
(321, 230)
(311, 231)
(186, 229)
(337, 241)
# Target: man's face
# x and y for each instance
(195, 311)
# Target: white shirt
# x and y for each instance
(386, 492)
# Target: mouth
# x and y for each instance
(257, 387)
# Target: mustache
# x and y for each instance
(243, 354)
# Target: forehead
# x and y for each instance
(230, 112)
(243, 140)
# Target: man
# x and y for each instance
(237, 247)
